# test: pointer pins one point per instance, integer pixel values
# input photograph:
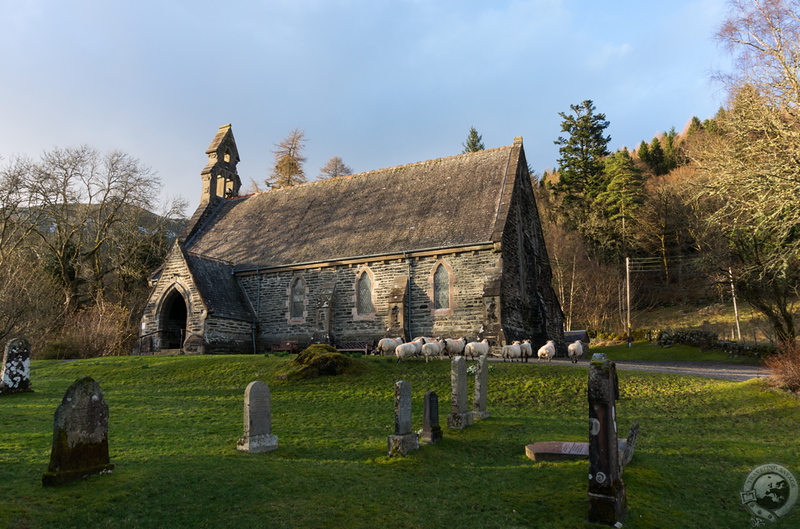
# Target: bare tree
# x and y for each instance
(289, 159)
(335, 167)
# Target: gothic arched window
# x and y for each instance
(297, 299)
(441, 288)
(364, 294)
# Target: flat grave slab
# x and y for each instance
(557, 451)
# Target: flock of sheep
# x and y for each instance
(440, 347)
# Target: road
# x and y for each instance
(736, 372)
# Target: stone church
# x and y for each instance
(449, 247)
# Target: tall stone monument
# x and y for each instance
(15, 371)
(607, 500)
(431, 431)
(459, 418)
(80, 435)
(257, 437)
(403, 440)
(479, 410)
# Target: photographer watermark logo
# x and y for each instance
(769, 492)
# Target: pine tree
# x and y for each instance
(624, 194)
(582, 152)
(289, 159)
(335, 167)
(657, 157)
(474, 143)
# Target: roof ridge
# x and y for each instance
(373, 171)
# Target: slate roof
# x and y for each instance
(446, 202)
(218, 288)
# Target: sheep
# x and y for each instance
(511, 351)
(405, 350)
(473, 349)
(432, 348)
(575, 351)
(419, 342)
(454, 347)
(547, 351)
(526, 350)
(387, 345)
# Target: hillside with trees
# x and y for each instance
(696, 211)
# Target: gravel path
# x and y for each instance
(736, 372)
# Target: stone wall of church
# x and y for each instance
(270, 295)
(226, 336)
(174, 275)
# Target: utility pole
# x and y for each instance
(628, 293)
(735, 307)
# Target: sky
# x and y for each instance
(379, 83)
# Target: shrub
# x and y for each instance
(784, 367)
(101, 330)
(320, 360)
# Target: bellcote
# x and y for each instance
(220, 179)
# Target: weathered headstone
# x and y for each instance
(15, 371)
(560, 451)
(459, 418)
(607, 499)
(479, 410)
(80, 435)
(431, 431)
(403, 440)
(257, 437)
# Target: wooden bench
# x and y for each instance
(292, 346)
(356, 346)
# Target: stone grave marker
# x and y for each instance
(257, 437)
(403, 440)
(431, 431)
(15, 371)
(479, 410)
(607, 498)
(80, 435)
(459, 418)
(560, 451)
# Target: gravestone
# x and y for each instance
(15, 371)
(459, 418)
(80, 435)
(479, 410)
(607, 499)
(403, 440)
(431, 431)
(257, 437)
(560, 451)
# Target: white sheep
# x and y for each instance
(511, 352)
(405, 350)
(432, 348)
(547, 351)
(387, 345)
(419, 342)
(575, 351)
(453, 348)
(476, 349)
(526, 350)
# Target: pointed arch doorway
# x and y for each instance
(173, 320)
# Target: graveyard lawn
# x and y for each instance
(174, 423)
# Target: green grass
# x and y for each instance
(676, 353)
(174, 422)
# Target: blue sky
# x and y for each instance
(377, 82)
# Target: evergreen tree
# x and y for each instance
(625, 191)
(644, 152)
(671, 156)
(657, 157)
(474, 143)
(289, 159)
(582, 152)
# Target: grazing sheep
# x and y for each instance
(432, 348)
(526, 350)
(454, 347)
(547, 351)
(511, 351)
(387, 345)
(405, 350)
(419, 342)
(575, 351)
(473, 349)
